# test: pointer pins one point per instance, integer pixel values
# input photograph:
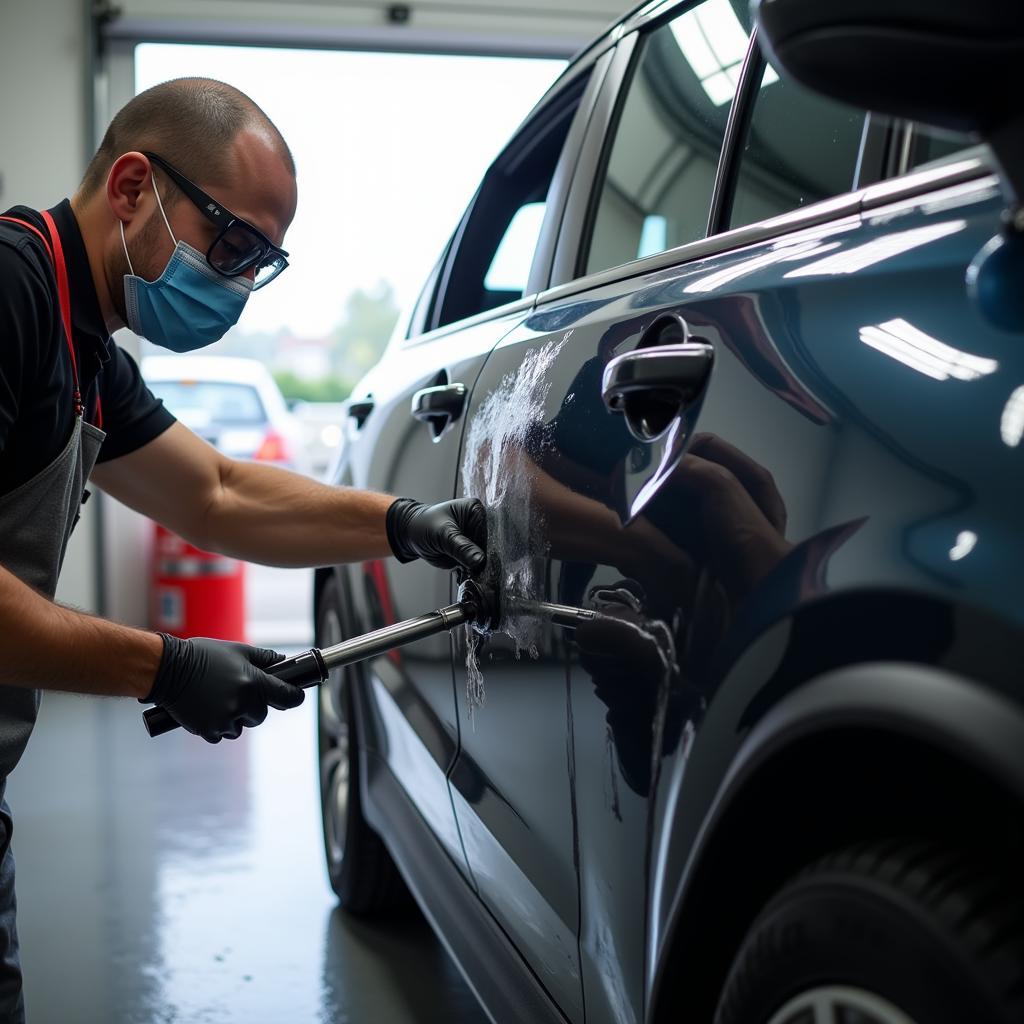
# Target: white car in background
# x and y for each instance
(235, 404)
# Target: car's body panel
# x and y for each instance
(514, 798)
(925, 703)
(499, 978)
(828, 535)
(857, 473)
(414, 700)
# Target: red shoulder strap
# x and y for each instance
(55, 250)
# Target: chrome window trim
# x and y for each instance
(910, 186)
(929, 179)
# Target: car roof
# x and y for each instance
(214, 368)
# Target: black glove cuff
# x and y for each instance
(167, 681)
(400, 511)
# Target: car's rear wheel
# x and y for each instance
(886, 933)
(362, 873)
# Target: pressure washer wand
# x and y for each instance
(475, 604)
(311, 667)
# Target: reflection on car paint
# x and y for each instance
(1011, 423)
(874, 252)
(782, 254)
(496, 468)
(631, 660)
(909, 345)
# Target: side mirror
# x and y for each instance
(942, 62)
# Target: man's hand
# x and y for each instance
(448, 535)
(214, 688)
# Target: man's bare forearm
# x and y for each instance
(265, 514)
(46, 646)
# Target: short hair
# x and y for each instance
(190, 122)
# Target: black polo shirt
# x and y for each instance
(37, 411)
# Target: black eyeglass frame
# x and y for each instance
(220, 216)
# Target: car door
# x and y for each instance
(698, 493)
(542, 452)
(406, 429)
(663, 444)
(414, 729)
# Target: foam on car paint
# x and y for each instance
(496, 468)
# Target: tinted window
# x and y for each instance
(494, 254)
(201, 402)
(930, 144)
(800, 148)
(661, 168)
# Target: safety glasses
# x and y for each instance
(238, 246)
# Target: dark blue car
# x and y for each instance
(740, 368)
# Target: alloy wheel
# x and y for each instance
(835, 1004)
(334, 745)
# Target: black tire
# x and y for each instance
(361, 871)
(935, 935)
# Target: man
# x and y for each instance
(181, 214)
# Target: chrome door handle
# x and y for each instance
(439, 405)
(653, 386)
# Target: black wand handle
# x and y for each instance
(306, 669)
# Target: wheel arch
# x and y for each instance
(863, 752)
(320, 577)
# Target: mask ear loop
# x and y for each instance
(125, 245)
(156, 192)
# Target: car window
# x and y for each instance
(202, 402)
(932, 145)
(800, 148)
(661, 166)
(491, 261)
(421, 309)
(510, 269)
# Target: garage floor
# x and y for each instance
(170, 881)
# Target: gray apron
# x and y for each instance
(36, 520)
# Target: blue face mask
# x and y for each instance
(189, 305)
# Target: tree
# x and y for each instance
(358, 342)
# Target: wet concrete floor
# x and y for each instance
(166, 880)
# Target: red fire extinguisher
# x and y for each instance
(195, 592)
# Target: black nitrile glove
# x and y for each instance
(214, 688)
(448, 535)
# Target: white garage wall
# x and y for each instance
(43, 117)
(43, 98)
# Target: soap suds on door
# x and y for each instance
(497, 468)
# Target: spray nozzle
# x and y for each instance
(483, 596)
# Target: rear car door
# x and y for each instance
(406, 427)
(668, 514)
(531, 793)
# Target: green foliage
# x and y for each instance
(358, 342)
(323, 389)
(350, 349)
